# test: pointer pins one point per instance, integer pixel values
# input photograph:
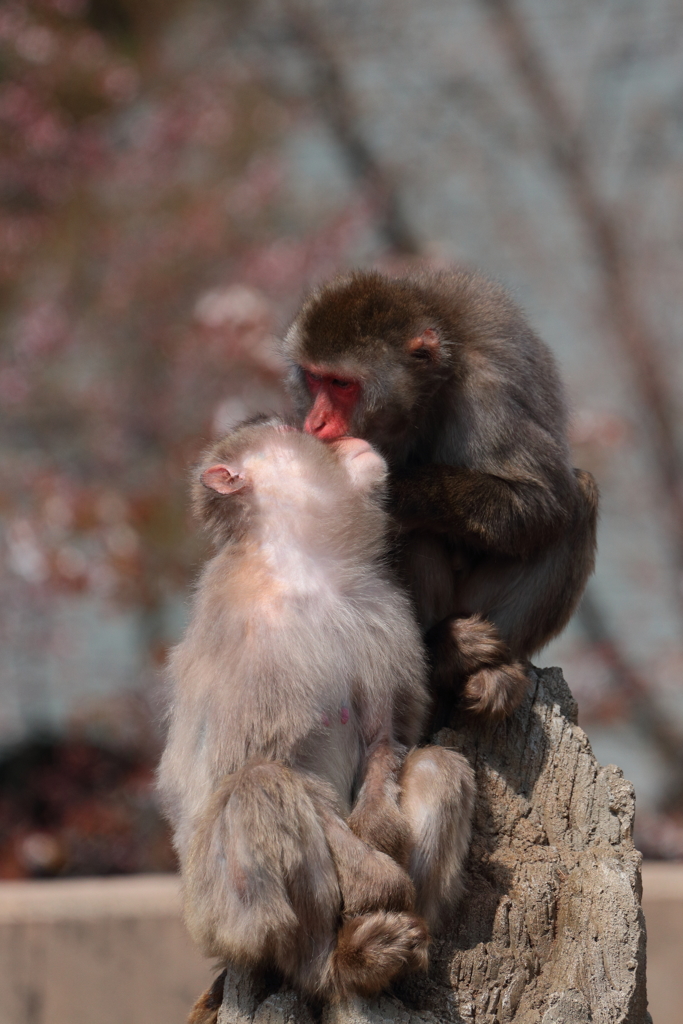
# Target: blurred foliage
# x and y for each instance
(143, 274)
(152, 246)
(118, 174)
(69, 807)
(136, 187)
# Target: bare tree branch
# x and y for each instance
(338, 110)
(334, 100)
(644, 712)
(602, 229)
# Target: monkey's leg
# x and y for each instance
(260, 885)
(376, 816)
(261, 888)
(380, 935)
(369, 879)
(437, 800)
(530, 601)
(514, 606)
(373, 949)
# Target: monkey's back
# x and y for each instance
(504, 395)
(303, 675)
(499, 358)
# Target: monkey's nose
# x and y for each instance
(315, 425)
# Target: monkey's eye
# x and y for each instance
(313, 380)
(341, 383)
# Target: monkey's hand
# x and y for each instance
(376, 817)
(508, 517)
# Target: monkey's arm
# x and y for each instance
(376, 817)
(508, 517)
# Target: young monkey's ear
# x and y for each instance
(223, 479)
(425, 346)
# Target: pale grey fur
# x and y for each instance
(301, 656)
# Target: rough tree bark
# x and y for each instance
(550, 930)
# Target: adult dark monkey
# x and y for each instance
(442, 373)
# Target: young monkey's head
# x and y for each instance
(267, 472)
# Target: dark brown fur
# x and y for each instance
(497, 532)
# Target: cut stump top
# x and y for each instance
(550, 929)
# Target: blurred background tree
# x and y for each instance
(172, 178)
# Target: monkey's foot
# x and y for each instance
(372, 949)
(472, 650)
(475, 643)
(495, 692)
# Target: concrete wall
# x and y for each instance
(96, 951)
(663, 906)
(114, 951)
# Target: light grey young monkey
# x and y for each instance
(313, 837)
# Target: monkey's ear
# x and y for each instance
(222, 479)
(425, 346)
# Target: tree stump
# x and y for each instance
(550, 929)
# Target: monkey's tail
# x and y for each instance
(206, 1009)
(373, 948)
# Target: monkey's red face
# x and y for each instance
(334, 399)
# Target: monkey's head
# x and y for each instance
(367, 354)
(267, 475)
